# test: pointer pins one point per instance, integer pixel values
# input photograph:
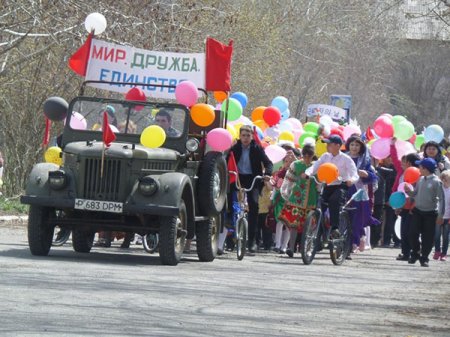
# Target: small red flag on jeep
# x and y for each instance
(218, 65)
(108, 134)
(79, 60)
(232, 166)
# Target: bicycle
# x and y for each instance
(241, 224)
(315, 233)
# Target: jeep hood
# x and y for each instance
(120, 150)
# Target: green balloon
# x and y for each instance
(312, 127)
(420, 139)
(234, 108)
(305, 135)
(403, 130)
(397, 119)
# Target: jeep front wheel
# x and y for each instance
(82, 241)
(212, 184)
(172, 236)
(207, 238)
(40, 233)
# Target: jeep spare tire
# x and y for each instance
(212, 184)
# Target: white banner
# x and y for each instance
(116, 63)
(337, 114)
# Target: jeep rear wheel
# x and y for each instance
(82, 241)
(40, 233)
(172, 236)
(207, 238)
(212, 184)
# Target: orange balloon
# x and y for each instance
(220, 96)
(411, 175)
(261, 124)
(202, 114)
(327, 173)
(257, 113)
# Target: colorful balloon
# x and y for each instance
(186, 93)
(219, 139)
(220, 96)
(433, 133)
(327, 173)
(275, 153)
(271, 115)
(397, 119)
(241, 97)
(257, 113)
(403, 130)
(311, 127)
(420, 139)
(281, 103)
(55, 108)
(231, 129)
(350, 130)
(380, 148)
(153, 136)
(286, 135)
(321, 147)
(403, 148)
(95, 22)
(202, 114)
(401, 187)
(306, 134)
(383, 127)
(77, 121)
(234, 108)
(411, 175)
(397, 200)
(261, 124)
(53, 155)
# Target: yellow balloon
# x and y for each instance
(286, 135)
(237, 127)
(53, 155)
(232, 131)
(153, 136)
(321, 147)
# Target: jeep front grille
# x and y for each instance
(105, 188)
(159, 166)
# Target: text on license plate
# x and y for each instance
(101, 206)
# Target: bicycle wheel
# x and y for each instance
(340, 247)
(150, 242)
(60, 236)
(310, 238)
(241, 238)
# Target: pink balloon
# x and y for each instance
(383, 127)
(186, 93)
(219, 139)
(404, 147)
(77, 121)
(401, 187)
(350, 130)
(295, 123)
(272, 132)
(387, 115)
(275, 153)
(380, 148)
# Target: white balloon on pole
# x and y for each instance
(95, 22)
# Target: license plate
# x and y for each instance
(101, 206)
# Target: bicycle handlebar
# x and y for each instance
(243, 188)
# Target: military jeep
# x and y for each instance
(176, 190)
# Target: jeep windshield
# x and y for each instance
(125, 117)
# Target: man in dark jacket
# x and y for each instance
(251, 159)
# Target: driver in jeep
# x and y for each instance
(163, 118)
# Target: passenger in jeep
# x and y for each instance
(163, 118)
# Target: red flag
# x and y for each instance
(108, 134)
(218, 65)
(48, 125)
(369, 134)
(232, 166)
(256, 136)
(79, 60)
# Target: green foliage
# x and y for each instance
(12, 206)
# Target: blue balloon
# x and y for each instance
(433, 133)
(281, 103)
(241, 97)
(285, 114)
(397, 200)
(260, 133)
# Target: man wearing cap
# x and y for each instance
(334, 194)
(428, 211)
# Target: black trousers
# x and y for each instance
(404, 231)
(252, 201)
(389, 226)
(264, 234)
(375, 230)
(334, 198)
(423, 225)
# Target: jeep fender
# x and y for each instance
(173, 187)
(37, 182)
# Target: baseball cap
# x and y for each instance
(335, 139)
(428, 163)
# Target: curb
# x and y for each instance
(8, 218)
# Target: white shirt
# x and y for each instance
(345, 164)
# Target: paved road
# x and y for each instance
(114, 292)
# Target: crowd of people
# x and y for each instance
(278, 206)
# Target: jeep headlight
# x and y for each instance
(192, 144)
(57, 179)
(148, 186)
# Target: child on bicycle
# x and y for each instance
(300, 196)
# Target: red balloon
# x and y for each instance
(383, 127)
(412, 140)
(136, 94)
(271, 115)
(411, 175)
(336, 131)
